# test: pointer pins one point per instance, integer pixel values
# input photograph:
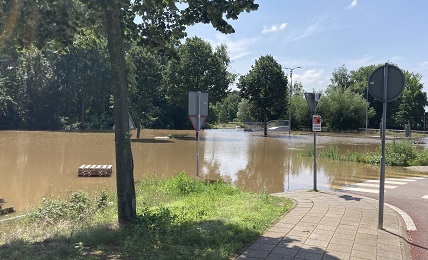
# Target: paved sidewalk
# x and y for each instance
(332, 225)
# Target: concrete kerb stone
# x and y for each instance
(328, 225)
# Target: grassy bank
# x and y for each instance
(177, 218)
(397, 153)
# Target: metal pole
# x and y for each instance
(291, 98)
(289, 169)
(367, 108)
(315, 161)
(197, 131)
(382, 159)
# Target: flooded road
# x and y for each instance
(34, 164)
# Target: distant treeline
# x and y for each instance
(48, 90)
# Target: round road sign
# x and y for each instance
(395, 83)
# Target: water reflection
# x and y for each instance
(273, 163)
(35, 164)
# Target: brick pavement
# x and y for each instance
(332, 225)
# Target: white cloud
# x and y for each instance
(274, 28)
(237, 48)
(423, 64)
(311, 79)
(313, 28)
(353, 4)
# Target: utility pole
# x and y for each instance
(291, 96)
(367, 109)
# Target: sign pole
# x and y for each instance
(313, 99)
(197, 131)
(198, 108)
(315, 160)
(386, 83)
(382, 158)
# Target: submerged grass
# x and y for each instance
(177, 218)
(401, 153)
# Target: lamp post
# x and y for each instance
(367, 109)
(425, 121)
(291, 96)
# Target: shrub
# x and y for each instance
(78, 206)
(332, 152)
(182, 185)
(400, 153)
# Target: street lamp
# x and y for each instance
(291, 96)
(367, 109)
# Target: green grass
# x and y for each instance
(397, 153)
(177, 218)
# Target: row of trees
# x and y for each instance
(73, 90)
(345, 104)
(48, 90)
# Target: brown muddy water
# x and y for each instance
(38, 164)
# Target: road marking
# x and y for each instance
(389, 182)
(410, 225)
(425, 197)
(397, 179)
(374, 185)
(361, 189)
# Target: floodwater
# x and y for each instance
(39, 164)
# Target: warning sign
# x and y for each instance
(316, 123)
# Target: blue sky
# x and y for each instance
(322, 35)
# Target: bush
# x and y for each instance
(78, 206)
(332, 152)
(400, 153)
(421, 159)
(182, 185)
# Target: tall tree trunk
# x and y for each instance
(124, 161)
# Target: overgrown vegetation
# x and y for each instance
(401, 153)
(177, 218)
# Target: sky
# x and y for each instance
(322, 35)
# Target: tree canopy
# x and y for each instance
(197, 68)
(343, 109)
(408, 108)
(265, 87)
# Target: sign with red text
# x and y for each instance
(316, 123)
